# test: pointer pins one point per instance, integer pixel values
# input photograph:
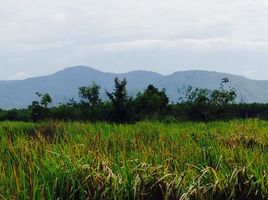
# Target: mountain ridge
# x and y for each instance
(63, 85)
(84, 67)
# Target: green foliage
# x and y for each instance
(205, 104)
(45, 99)
(216, 97)
(120, 101)
(91, 104)
(90, 94)
(39, 109)
(15, 115)
(223, 96)
(66, 112)
(55, 160)
(197, 104)
(151, 103)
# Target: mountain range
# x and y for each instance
(63, 85)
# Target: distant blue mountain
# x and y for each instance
(64, 84)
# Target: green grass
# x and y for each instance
(55, 160)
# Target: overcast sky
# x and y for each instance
(39, 37)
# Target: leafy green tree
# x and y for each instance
(151, 103)
(197, 103)
(90, 101)
(45, 100)
(120, 101)
(223, 96)
(195, 95)
(205, 104)
(39, 109)
(90, 95)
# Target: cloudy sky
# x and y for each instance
(40, 37)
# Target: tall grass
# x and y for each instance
(54, 160)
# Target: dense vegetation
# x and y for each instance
(195, 104)
(159, 158)
(57, 160)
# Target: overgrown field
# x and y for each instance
(55, 160)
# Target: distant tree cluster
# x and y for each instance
(195, 104)
(205, 104)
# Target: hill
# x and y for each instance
(64, 84)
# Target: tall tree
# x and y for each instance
(120, 101)
(45, 100)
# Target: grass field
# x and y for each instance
(54, 160)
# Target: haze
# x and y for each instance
(40, 37)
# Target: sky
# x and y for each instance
(40, 37)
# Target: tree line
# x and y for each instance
(195, 104)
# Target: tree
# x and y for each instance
(195, 95)
(120, 101)
(45, 100)
(196, 101)
(39, 109)
(204, 104)
(223, 96)
(90, 101)
(90, 94)
(151, 103)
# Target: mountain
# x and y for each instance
(247, 90)
(64, 84)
